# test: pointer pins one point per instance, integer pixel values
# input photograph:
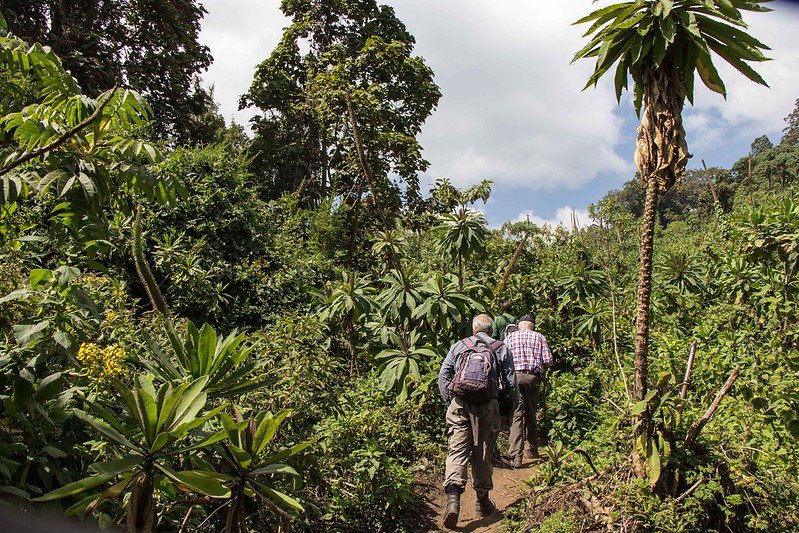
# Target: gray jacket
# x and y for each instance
(451, 361)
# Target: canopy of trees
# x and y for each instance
(148, 46)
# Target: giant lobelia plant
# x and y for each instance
(148, 441)
(661, 44)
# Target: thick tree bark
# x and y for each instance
(645, 290)
(661, 155)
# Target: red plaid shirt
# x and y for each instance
(530, 350)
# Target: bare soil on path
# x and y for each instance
(509, 489)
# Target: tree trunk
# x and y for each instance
(141, 510)
(661, 155)
(645, 289)
(356, 134)
(352, 350)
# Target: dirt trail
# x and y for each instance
(509, 489)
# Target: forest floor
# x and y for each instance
(509, 490)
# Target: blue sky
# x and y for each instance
(513, 109)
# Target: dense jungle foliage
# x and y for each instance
(206, 332)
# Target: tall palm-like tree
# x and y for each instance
(460, 235)
(661, 44)
(348, 301)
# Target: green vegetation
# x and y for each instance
(224, 334)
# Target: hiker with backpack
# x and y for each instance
(531, 356)
(476, 374)
(501, 321)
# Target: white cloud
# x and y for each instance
(565, 216)
(513, 109)
(240, 34)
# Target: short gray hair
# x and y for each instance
(482, 323)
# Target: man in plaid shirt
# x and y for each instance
(531, 355)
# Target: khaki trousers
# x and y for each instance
(523, 430)
(472, 430)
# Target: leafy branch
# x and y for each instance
(63, 138)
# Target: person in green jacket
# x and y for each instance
(501, 322)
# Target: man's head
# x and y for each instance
(505, 307)
(481, 323)
(526, 322)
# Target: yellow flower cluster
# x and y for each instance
(96, 281)
(102, 363)
(119, 294)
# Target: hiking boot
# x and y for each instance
(453, 509)
(484, 505)
(532, 453)
(516, 462)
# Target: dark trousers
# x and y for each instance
(523, 430)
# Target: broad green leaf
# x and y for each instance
(147, 412)
(75, 487)
(49, 387)
(666, 6)
(14, 491)
(709, 75)
(195, 423)
(39, 277)
(192, 400)
(15, 295)
(668, 29)
(106, 430)
(276, 468)
(167, 406)
(208, 441)
(232, 429)
(112, 492)
(288, 452)
(226, 391)
(639, 407)
(161, 441)
(67, 274)
(206, 348)
(243, 459)
(55, 453)
(266, 430)
(652, 463)
(605, 11)
(165, 366)
(197, 481)
(277, 497)
(117, 466)
(27, 333)
(109, 418)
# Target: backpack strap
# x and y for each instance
(493, 347)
